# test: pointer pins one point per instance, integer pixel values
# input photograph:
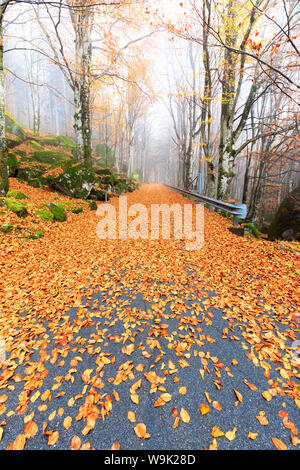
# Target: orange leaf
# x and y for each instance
(279, 444)
(67, 422)
(53, 438)
(141, 431)
(184, 415)
(75, 443)
(30, 429)
(204, 409)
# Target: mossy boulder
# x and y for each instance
(13, 127)
(93, 205)
(37, 182)
(251, 230)
(76, 181)
(286, 222)
(46, 156)
(98, 194)
(36, 145)
(45, 215)
(66, 142)
(13, 165)
(57, 211)
(16, 207)
(29, 173)
(12, 141)
(75, 209)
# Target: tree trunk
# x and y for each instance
(4, 182)
(82, 124)
(82, 115)
(255, 200)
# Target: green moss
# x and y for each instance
(251, 230)
(45, 156)
(93, 205)
(75, 209)
(103, 172)
(58, 212)
(16, 207)
(45, 215)
(37, 182)
(13, 164)
(21, 153)
(16, 194)
(99, 194)
(13, 127)
(36, 145)
(77, 180)
(6, 228)
(66, 141)
(28, 173)
(12, 141)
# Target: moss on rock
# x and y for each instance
(77, 180)
(16, 194)
(13, 127)
(45, 215)
(286, 222)
(6, 228)
(13, 165)
(58, 212)
(16, 207)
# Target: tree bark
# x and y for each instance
(4, 182)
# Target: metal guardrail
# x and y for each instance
(239, 211)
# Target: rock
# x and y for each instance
(46, 156)
(77, 180)
(13, 127)
(58, 212)
(16, 207)
(6, 228)
(286, 222)
(288, 235)
(93, 205)
(45, 215)
(13, 165)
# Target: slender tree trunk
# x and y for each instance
(256, 198)
(82, 117)
(4, 182)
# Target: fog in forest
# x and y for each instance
(172, 89)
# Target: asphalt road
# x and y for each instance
(113, 317)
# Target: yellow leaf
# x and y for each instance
(184, 415)
(134, 398)
(67, 422)
(131, 416)
(231, 434)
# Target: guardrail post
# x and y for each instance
(211, 209)
(236, 220)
